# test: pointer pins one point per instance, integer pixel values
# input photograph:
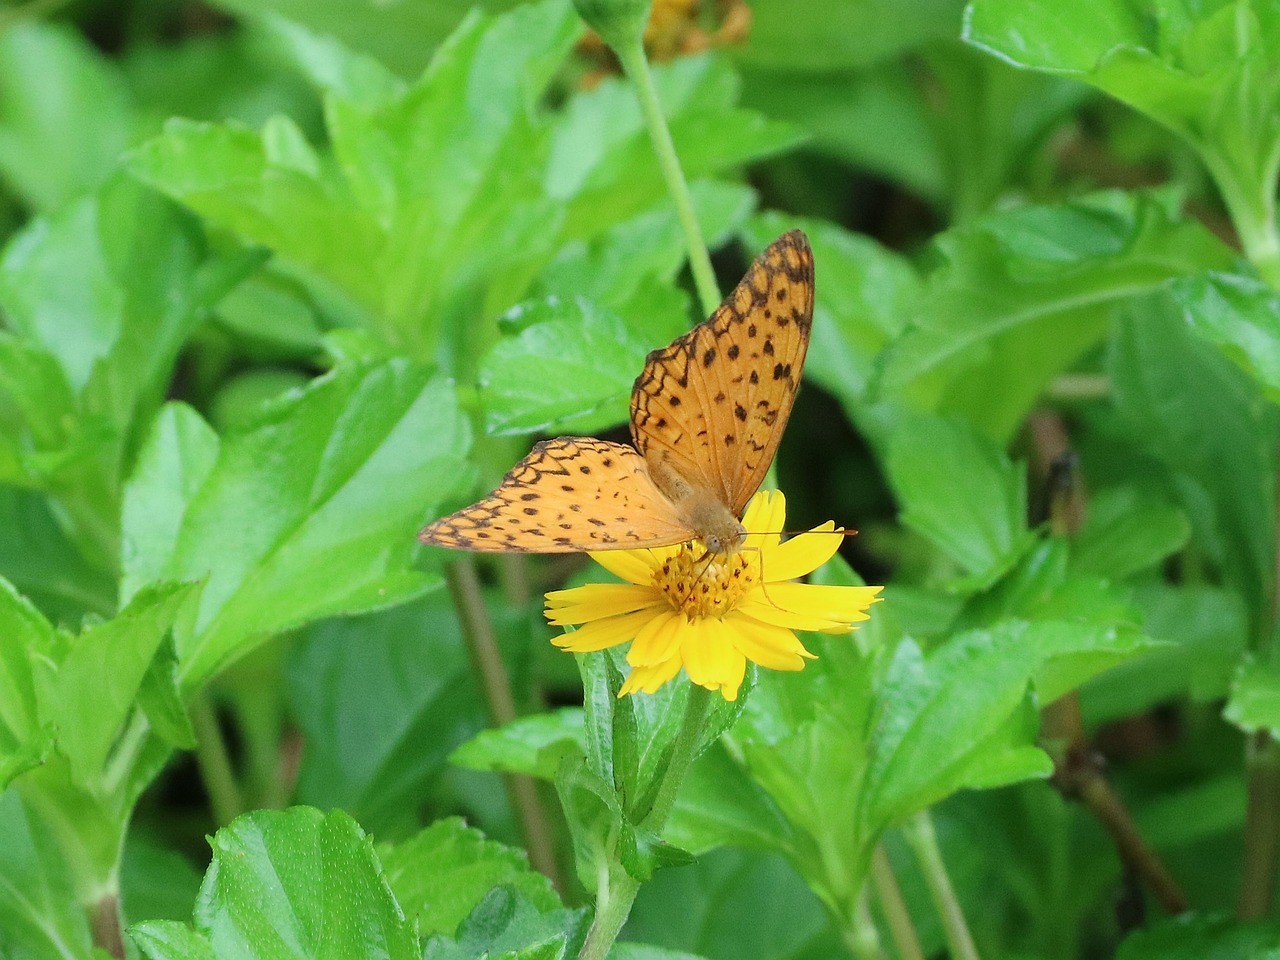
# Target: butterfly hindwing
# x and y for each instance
(712, 406)
(568, 495)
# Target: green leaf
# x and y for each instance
(39, 912)
(400, 37)
(88, 688)
(170, 940)
(28, 639)
(1197, 936)
(507, 926)
(381, 700)
(271, 892)
(431, 218)
(1241, 317)
(960, 491)
(1203, 629)
(1209, 423)
(1254, 703)
(143, 280)
(570, 369)
(1127, 530)
(845, 34)
(347, 468)
(946, 719)
(1206, 71)
(65, 117)
(532, 745)
(440, 875)
(601, 160)
(1023, 293)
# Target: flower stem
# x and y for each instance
(482, 644)
(214, 762)
(1261, 828)
(683, 752)
(924, 843)
(617, 889)
(636, 64)
(861, 936)
(894, 907)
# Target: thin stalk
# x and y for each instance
(214, 762)
(614, 898)
(104, 922)
(1261, 828)
(894, 907)
(683, 752)
(924, 843)
(482, 645)
(616, 890)
(861, 937)
(636, 64)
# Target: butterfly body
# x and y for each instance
(707, 413)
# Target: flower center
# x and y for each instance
(701, 584)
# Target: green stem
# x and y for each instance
(894, 907)
(924, 843)
(482, 645)
(1261, 828)
(683, 752)
(214, 762)
(1252, 210)
(616, 889)
(861, 936)
(636, 64)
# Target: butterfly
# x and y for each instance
(707, 413)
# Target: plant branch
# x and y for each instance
(924, 843)
(1261, 828)
(482, 645)
(894, 907)
(861, 936)
(214, 762)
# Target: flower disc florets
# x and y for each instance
(701, 584)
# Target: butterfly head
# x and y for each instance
(725, 539)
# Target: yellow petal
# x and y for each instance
(649, 679)
(802, 554)
(764, 611)
(634, 566)
(658, 640)
(601, 634)
(597, 600)
(773, 647)
(765, 517)
(711, 658)
(847, 604)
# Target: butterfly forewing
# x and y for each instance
(568, 495)
(712, 406)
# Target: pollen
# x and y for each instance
(700, 584)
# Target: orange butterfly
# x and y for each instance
(707, 413)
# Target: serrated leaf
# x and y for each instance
(440, 875)
(1025, 292)
(569, 370)
(289, 883)
(1127, 530)
(88, 688)
(506, 926)
(1241, 317)
(381, 700)
(533, 745)
(960, 490)
(1191, 408)
(347, 468)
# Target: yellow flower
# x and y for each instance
(711, 614)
